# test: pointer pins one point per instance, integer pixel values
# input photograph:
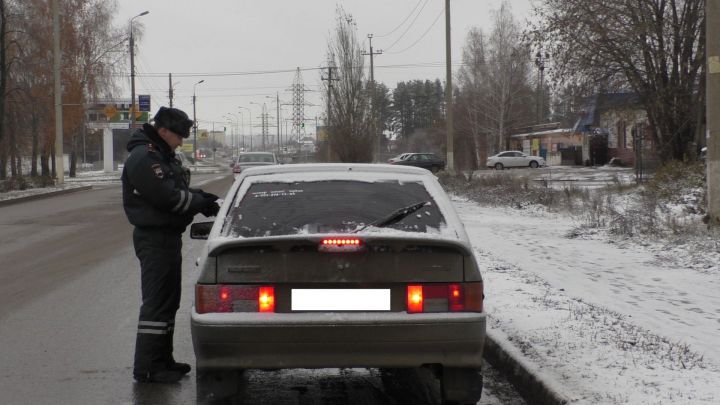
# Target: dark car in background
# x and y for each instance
(398, 157)
(429, 161)
(335, 266)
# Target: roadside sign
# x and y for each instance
(144, 101)
(187, 147)
(108, 125)
(109, 111)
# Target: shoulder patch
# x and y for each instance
(157, 169)
(151, 147)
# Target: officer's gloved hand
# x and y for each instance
(210, 196)
(211, 208)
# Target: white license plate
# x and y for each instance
(368, 299)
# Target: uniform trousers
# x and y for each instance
(159, 252)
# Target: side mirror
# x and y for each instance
(200, 230)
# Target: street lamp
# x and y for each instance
(195, 128)
(132, 70)
(251, 134)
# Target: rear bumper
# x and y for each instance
(319, 340)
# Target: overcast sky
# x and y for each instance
(220, 41)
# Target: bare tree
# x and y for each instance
(495, 90)
(350, 132)
(89, 42)
(654, 47)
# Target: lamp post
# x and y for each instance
(251, 134)
(195, 157)
(132, 70)
(262, 123)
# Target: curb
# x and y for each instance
(529, 384)
(43, 195)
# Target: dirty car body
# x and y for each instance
(339, 265)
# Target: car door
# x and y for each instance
(517, 159)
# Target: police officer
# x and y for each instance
(160, 204)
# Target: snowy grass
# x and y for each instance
(597, 355)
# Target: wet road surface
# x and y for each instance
(69, 298)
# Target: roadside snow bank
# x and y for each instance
(599, 320)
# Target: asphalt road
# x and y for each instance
(69, 296)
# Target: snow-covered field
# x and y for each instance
(603, 323)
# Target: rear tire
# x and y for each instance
(461, 385)
(411, 385)
(534, 164)
(498, 166)
(217, 386)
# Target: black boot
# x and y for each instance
(160, 376)
(183, 368)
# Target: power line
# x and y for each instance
(409, 26)
(403, 22)
(423, 35)
(223, 74)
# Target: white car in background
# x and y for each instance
(247, 160)
(514, 158)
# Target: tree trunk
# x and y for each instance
(44, 164)
(53, 172)
(3, 162)
(35, 145)
(73, 161)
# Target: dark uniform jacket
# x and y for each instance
(155, 191)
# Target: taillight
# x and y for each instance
(455, 297)
(234, 298)
(266, 299)
(341, 244)
(414, 298)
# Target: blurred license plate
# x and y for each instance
(307, 299)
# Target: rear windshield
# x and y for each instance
(330, 206)
(256, 159)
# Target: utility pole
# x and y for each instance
(448, 90)
(372, 94)
(195, 151)
(329, 109)
(170, 91)
(277, 119)
(59, 162)
(132, 71)
(540, 58)
(712, 44)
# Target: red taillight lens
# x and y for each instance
(234, 298)
(414, 298)
(456, 297)
(341, 244)
(266, 299)
(456, 300)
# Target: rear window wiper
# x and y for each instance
(395, 216)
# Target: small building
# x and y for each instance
(559, 146)
(615, 125)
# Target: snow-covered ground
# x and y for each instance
(602, 323)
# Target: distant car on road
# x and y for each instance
(429, 161)
(514, 158)
(246, 160)
(338, 265)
